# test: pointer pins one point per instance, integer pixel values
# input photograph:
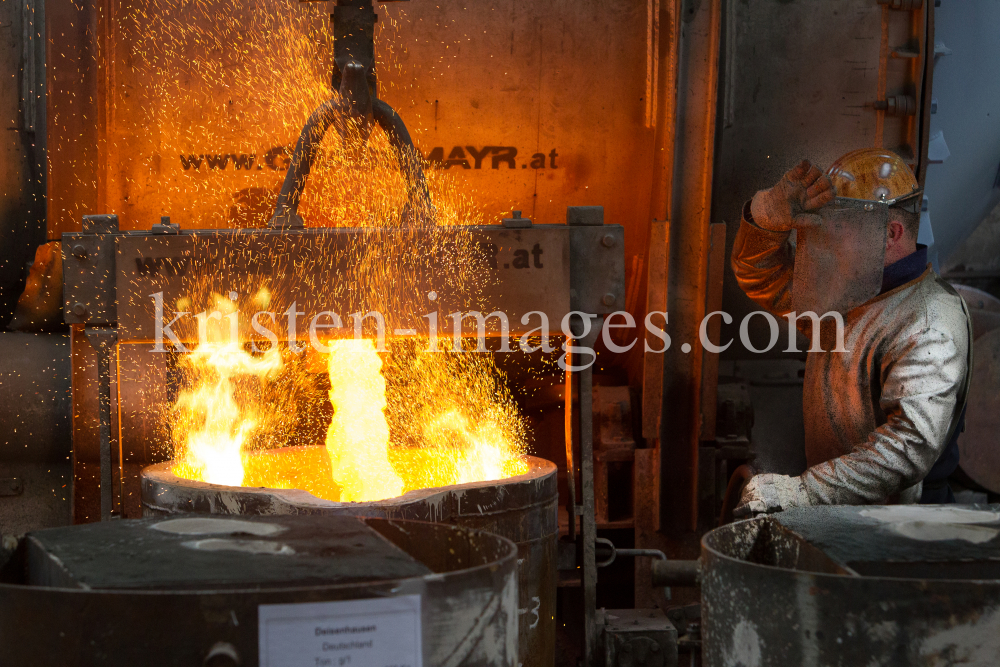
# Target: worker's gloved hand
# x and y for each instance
(771, 493)
(788, 204)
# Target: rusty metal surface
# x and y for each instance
(663, 52)
(503, 79)
(468, 609)
(293, 261)
(522, 509)
(771, 597)
(687, 274)
(588, 518)
(656, 301)
(713, 302)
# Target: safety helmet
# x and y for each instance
(875, 175)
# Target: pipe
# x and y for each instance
(664, 572)
(675, 572)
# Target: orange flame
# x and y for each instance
(449, 422)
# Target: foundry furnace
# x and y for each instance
(400, 333)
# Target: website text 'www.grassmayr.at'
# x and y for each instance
(575, 335)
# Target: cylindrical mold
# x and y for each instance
(772, 600)
(522, 509)
(468, 609)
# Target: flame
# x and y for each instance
(358, 439)
(483, 455)
(210, 422)
(415, 419)
(208, 419)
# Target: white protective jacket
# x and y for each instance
(878, 416)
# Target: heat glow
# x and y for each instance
(227, 88)
(401, 420)
(358, 439)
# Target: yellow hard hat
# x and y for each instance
(875, 175)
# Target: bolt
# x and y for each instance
(655, 647)
(79, 252)
(79, 309)
(608, 241)
(609, 299)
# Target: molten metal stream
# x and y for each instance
(358, 438)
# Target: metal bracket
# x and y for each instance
(104, 339)
(89, 272)
(516, 222)
(166, 227)
(634, 637)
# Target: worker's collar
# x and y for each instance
(904, 270)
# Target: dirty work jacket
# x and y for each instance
(878, 416)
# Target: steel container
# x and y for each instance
(830, 586)
(522, 509)
(468, 609)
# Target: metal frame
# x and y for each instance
(109, 275)
(910, 202)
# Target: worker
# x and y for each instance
(881, 418)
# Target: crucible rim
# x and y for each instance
(161, 473)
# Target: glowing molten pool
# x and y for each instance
(308, 468)
(404, 419)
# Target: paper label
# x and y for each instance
(378, 632)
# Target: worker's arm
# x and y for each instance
(922, 379)
(762, 261)
(762, 256)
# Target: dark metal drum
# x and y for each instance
(895, 585)
(109, 604)
(522, 509)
